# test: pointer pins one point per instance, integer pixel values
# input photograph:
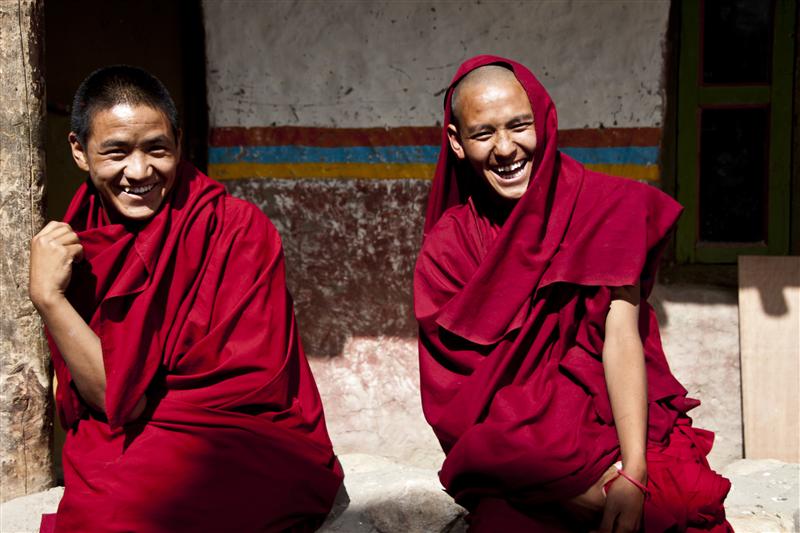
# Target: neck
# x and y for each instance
(495, 207)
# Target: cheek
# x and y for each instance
(528, 141)
(103, 175)
(477, 154)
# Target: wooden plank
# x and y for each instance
(769, 339)
(25, 408)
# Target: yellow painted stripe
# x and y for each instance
(418, 171)
(637, 172)
(234, 171)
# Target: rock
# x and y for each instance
(24, 514)
(765, 496)
(390, 497)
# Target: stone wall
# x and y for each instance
(326, 116)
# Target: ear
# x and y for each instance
(178, 145)
(78, 152)
(455, 141)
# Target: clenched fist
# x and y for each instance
(53, 251)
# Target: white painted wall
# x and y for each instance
(362, 63)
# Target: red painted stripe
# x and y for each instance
(411, 136)
(326, 137)
(609, 137)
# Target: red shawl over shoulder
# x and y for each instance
(512, 317)
(192, 310)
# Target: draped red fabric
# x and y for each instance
(192, 310)
(511, 314)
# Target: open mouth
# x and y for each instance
(139, 190)
(511, 172)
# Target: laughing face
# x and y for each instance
(495, 133)
(131, 155)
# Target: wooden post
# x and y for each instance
(769, 339)
(26, 424)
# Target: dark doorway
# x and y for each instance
(165, 38)
(734, 128)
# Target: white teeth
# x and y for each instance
(142, 189)
(512, 167)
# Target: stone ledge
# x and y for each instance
(765, 495)
(383, 497)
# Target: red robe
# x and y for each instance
(512, 315)
(192, 310)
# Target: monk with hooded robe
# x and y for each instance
(186, 397)
(542, 370)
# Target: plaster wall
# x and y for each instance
(338, 68)
(700, 334)
(371, 64)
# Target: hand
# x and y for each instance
(586, 507)
(53, 251)
(623, 509)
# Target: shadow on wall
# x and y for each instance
(350, 250)
(351, 246)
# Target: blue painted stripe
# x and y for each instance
(631, 155)
(314, 154)
(636, 155)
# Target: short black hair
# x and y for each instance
(119, 84)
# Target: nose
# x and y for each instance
(504, 148)
(138, 167)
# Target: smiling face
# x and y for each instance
(495, 133)
(132, 156)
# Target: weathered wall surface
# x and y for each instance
(25, 417)
(368, 64)
(700, 334)
(326, 115)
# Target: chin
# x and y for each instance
(136, 213)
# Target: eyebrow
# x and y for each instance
(112, 143)
(117, 143)
(162, 139)
(519, 118)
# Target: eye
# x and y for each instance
(114, 153)
(157, 150)
(521, 126)
(481, 135)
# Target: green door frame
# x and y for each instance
(693, 97)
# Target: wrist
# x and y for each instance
(635, 467)
(45, 302)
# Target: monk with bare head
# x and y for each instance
(492, 129)
(541, 365)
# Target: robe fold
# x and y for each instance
(512, 312)
(192, 311)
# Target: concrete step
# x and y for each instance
(384, 496)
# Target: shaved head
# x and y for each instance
(479, 77)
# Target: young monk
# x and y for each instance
(541, 364)
(188, 402)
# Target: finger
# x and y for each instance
(623, 526)
(75, 252)
(607, 523)
(65, 237)
(60, 232)
(52, 226)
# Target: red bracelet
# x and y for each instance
(621, 472)
(634, 481)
